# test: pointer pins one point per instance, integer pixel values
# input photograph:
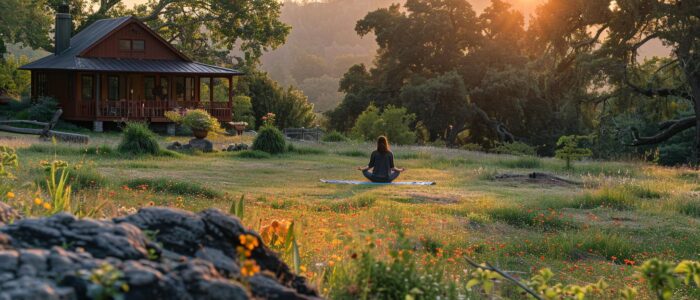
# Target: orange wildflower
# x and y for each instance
(10, 195)
(249, 268)
(248, 241)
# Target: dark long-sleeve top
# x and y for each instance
(382, 163)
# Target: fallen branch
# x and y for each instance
(47, 131)
(505, 275)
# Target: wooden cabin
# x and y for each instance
(119, 69)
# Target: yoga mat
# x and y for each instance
(378, 183)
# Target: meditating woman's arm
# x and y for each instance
(391, 164)
(369, 166)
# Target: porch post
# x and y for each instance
(230, 91)
(211, 93)
(97, 125)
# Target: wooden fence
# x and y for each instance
(304, 134)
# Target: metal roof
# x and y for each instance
(69, 59)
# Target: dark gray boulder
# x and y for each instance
(203, 145)
(159, 253)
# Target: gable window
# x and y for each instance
(149, 84)
(87, 87)
(125, 45)
(113, 88)
(138, 45)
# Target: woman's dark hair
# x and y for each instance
(383, 144)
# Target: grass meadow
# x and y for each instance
(621, 214)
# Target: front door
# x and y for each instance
(134, 88)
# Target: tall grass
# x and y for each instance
(581, 244)
(347, 205)
(137, 139)
(526, 162)
(353, 153)
(610, 197)
(173, 187)
(524, 218)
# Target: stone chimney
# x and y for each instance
(63, 29)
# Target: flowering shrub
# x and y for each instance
(195, 119)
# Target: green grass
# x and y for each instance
(528, 218)
(690, 208)
(305, 150)
(353, 153)
(581, 245)
(615, 198)
(346, 206)
(253, 154)
(526, 162)
(175, 187)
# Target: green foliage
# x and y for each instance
(176, 187)
(24, 22)
(137, 139)
(398, 277)
(270, 140)
(514, 148)
(660, 277)
(568, 148)
(237, 208)
(353, 153)
(86, 177)
(58, 186)
(195, 119)
(347, 206)
(8, 159)
(290, 106)
(105, 283)
(304, 150)
(690, 208)
(243, 110)
(13, 81)
(334, 136)
(393, 123)
(43, 110)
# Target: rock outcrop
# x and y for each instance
(156, 253)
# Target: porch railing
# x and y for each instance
(148, 109)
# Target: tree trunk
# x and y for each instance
(694, 81)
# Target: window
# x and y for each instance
(189, 88)
(42, 85)
(164, 89)
(184, 88)
(149, 85)
(125, 45)
(87, 87)
(138, 45)
(113, 88)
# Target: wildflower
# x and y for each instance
(249, 268)
(150, 203)
(243, 251)
(10, 195)
(47, 205)
(248, 241)
(37, 201)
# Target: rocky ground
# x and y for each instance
(157, 253)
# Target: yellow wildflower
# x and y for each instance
(10, 195)
(38, 201)
(47, 205)
(249, 268)
(248, 241)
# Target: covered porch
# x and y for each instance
(113, 96)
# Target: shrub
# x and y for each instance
(334, 136)
(568, 148)
(138, 139)
(514, 148)
(243, 110)
(269, 140)
(199, 119)
(43, 109)
(393, 122)
(86, 178)
(255, 154)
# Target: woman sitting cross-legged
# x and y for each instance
(381, 163)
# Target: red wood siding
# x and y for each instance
(154, 49)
